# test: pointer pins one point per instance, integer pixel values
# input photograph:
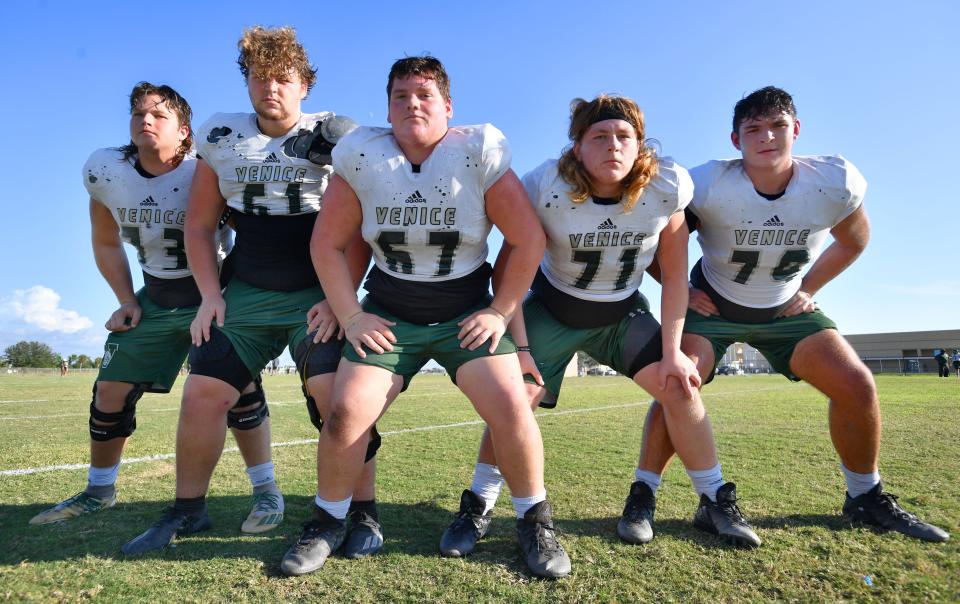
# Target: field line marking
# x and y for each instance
(28, 400)
(307, 441)
(147, 411)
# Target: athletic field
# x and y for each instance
(773, 442)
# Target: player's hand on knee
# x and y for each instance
(211, 309)
(482, 325)
(320, 319)
(701, 303)
(678, 365)
(528, 366)
(800, 303)
(124, 318)
(370, 330)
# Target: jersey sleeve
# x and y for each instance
(96, 173)
(856, 188)
(701, 177)
(678, 182)
(495, 155)
(344, 155)
(201, 137)
(533, 183)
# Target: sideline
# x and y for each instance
(312, 441)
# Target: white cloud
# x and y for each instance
(937, 289)
(39, 307)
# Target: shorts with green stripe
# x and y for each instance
(261, 322)
(776, 340)
(151, 353)
(417, 344)
(627, 345)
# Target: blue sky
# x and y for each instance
(874, 81)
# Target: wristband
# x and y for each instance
(523, 349)
(502, 316)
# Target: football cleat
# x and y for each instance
(267, 513)
(544, 555)
(78, 505)
(636, 524)
(722, 517)
(321, 536)
(364, 537)
(174, 523)
(470, 525)
(880, 509)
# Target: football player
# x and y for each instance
(424, 196)
(270, 169)
(608, 205)
(138, 194)
(761, 220)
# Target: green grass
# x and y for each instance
(773, 442)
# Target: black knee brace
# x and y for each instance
(252, 416)
(120, 424)
(317, 421)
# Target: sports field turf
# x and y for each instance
(773, 442)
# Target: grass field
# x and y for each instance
(772, 439)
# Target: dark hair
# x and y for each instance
(273, 53)
(425, 66)
(769, 100)
(175, 102)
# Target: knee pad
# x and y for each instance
(374, 444)
(317, 359)
(219, 359)
(256, 409)
(120, 424)
(642, 343)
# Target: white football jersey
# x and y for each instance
(430, 225)
(263, 175)
(599, 252)
(754, 249)
(149, 211)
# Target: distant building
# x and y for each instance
(903, 351)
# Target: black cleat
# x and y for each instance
(723, 518)
(174, 523)
(880, 509)
(364, 537)
(321, 537)
(636, 524)
(542, 552)
(470, 525)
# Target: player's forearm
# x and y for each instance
(202, 257)
(517, 326)
(113, 265)
(673, 308)
(833, 261)
(334, 272)
(517, 275)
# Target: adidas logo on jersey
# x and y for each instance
(271, 159)
(415, 198)
(148, 201)
(774, 221)
(606, 225)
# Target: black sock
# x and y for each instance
(190, 505)
(369, 506)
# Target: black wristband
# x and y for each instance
(523, 349)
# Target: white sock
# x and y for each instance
(651, 478)
(102, 477)
(522, 504)
(337, 509)
(261, 474)
(487, 483)
(858, 484)
(706, 482)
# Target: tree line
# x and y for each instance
(38, 354)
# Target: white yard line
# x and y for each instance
(308, 441)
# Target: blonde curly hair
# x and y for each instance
(273, 53)
(583, 114)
